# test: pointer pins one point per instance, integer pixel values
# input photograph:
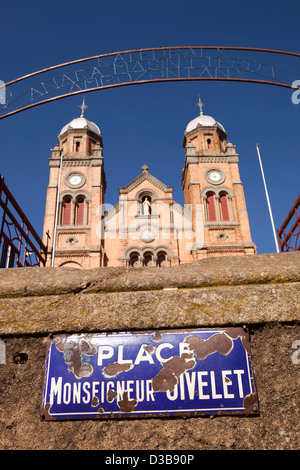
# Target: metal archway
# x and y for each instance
(141, 66)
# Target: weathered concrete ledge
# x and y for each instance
(217, 271)
(216, 291)
(262, 292)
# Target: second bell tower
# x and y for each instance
(75, 195)
(214, 191)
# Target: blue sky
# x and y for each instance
(144, 124)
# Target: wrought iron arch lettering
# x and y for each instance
(140, 66)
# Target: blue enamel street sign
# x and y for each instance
(153, 373)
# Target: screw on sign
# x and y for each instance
(167, 373)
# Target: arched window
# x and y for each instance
(209, 145)
(66, 211)
(79, 214)
(70, 264)
(161, 259)
(134, 260)
(211, 206)
(77, 146)
(224, 206)
(148, 260)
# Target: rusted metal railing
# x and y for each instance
(20, 245)
(289, 232)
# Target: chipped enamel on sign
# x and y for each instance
(153, 373)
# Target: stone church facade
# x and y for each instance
(146, 227)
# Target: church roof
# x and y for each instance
(146, 176)
(81, 123)
(142, 177)
(203, 121)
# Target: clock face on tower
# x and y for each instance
(215, 176)
(75, 180)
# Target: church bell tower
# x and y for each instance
(214, 191)
(75, 195)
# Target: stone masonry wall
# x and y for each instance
(261, 292)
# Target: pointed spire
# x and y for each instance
(83, 107)
(200, 104)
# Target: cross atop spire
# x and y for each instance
(200, 104)
(83, 107)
